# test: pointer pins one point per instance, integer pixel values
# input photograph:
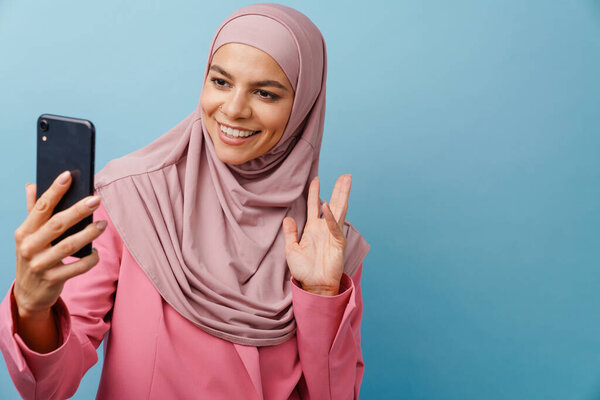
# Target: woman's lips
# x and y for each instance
(234, 141)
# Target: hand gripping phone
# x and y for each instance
(66, 144)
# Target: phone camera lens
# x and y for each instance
(44, 125)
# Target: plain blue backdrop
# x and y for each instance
(472, 130)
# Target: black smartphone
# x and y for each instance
(66, 144)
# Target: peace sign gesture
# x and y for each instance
(317, 261)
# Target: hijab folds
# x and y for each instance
(207, 234)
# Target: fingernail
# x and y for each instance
(64, 177)
(101, 225)
(93, 202)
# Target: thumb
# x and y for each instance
(290, 231)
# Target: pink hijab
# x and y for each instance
(208, 234)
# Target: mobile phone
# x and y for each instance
(66, 144)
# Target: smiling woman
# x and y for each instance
(246, 103)
(200, 258)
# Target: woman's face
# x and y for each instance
(246, 102)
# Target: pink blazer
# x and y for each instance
(152, 352)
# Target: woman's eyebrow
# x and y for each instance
(220, 70)
(267, 82)
(270, 82)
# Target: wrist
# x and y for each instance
(34, 316)
(322, 290)
(27, 313)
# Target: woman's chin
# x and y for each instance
(231, 159)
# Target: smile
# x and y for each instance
(236, 133)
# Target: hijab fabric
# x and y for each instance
(207, 234)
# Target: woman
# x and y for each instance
(194, 236)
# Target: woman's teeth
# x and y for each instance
(236, 132)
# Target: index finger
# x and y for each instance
(30, 189)
(313, 202)
(43, 207)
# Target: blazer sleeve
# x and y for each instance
(82, 313)
(328, 335)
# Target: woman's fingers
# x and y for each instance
(346, 194)
(313, 202)
(290, 232)
(56, 225)
(332, 224)
(68, 246)
(339, 197)
(68, 271)
(42, 210)
(30, 189)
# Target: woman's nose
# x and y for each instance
(236, 106)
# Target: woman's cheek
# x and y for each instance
(282, 117)
(203, 100)
(274, 117)
(209, 100)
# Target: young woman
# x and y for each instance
(218, 273)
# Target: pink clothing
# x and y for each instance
(152, 352)
(208, 234)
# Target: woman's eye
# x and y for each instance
(219, 82)
(266, 95)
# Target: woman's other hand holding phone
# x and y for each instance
(41, 274)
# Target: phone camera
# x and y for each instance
(44, 125)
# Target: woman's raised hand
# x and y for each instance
(317, 261)
(40, 274)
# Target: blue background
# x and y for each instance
(472, 130)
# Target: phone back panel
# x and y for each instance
(66, 144)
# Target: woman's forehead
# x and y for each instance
(266, 34)
(247, 62)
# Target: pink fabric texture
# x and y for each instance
(152, 352)
(209, 235)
